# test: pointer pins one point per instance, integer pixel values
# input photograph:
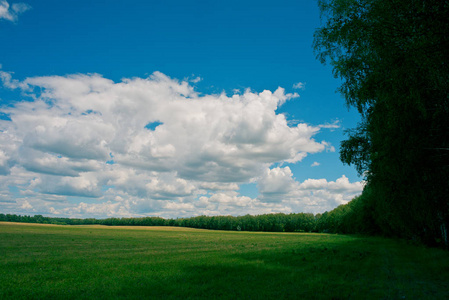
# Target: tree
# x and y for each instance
(393, 58)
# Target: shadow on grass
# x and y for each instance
(252, 275)
(286, 275)
(341, 271)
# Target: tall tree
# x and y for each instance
(393, 57)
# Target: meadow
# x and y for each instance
(40, 261)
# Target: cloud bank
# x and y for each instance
(82, 145)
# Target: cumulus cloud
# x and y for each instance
(211, 138)
(12, 12)
(277, 181)
(84, 135)
(85, 185)
(342, 184)
(277, 185)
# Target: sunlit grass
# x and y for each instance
(85, 262)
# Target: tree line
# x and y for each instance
(335, 221)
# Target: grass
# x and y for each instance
(98, 262)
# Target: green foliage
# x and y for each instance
(304, 222)
(392, 56)
(355, 217)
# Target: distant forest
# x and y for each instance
(348, 218)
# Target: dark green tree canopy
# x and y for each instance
(393, 58)
(376, 44)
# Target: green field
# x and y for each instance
(85, 262)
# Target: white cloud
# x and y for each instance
(196, 79)
(6, 79)
(319, 194)
(12, 12)
(85, 185)
(315, 164)
(300, 86)
(47, 163)
(313, 195)
(334, 125)
(26, 205)
(342, 184)
(211, 138)
(277, 181)
(9, 144)
(86, 136)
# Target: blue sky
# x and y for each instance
(136, 108)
